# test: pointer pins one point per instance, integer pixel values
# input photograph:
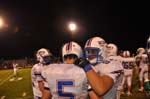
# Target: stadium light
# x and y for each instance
(1, 22)
(72, 27)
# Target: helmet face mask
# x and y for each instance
(93, 49)
(92, 54)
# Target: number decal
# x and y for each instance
(61, 85)
(127, 65)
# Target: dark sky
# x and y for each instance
(32, 24)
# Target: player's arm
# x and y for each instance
(93, 95)
(41, 86)
(46, 94)
(45, 91)
(100, 84)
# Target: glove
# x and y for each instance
(83, 63)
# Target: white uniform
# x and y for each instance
(128, 65)
(144, 67)
(15, 65)
(35, 77)
(111, 67)
(66, 81)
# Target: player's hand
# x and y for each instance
(81, 62)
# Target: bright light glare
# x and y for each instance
(72, 26)
(1, 22)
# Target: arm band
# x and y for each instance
(87, 68)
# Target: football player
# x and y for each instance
(94, 52)
(43, 57)
(15, 67)
(105, 77)
(143, 67)
(128, 65)
(66, 80)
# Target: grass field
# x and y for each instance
(22, 89)
(16, 89)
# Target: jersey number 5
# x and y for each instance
(61, 85)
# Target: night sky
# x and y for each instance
(32, 24)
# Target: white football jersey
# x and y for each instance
(15, 66)
(66, 81)
(128, 63)
(35, 77)
(143, 61)
(113, 68)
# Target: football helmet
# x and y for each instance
(140, 50)
(72, 48)
(111, 50)
(126, 54)
(44, 56)
(93, 49)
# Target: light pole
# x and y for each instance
(72, 28)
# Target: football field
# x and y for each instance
(21, 88)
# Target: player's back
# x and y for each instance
(66, 80)
(128, 63)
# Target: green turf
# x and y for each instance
(15, 89)
(135, 86)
